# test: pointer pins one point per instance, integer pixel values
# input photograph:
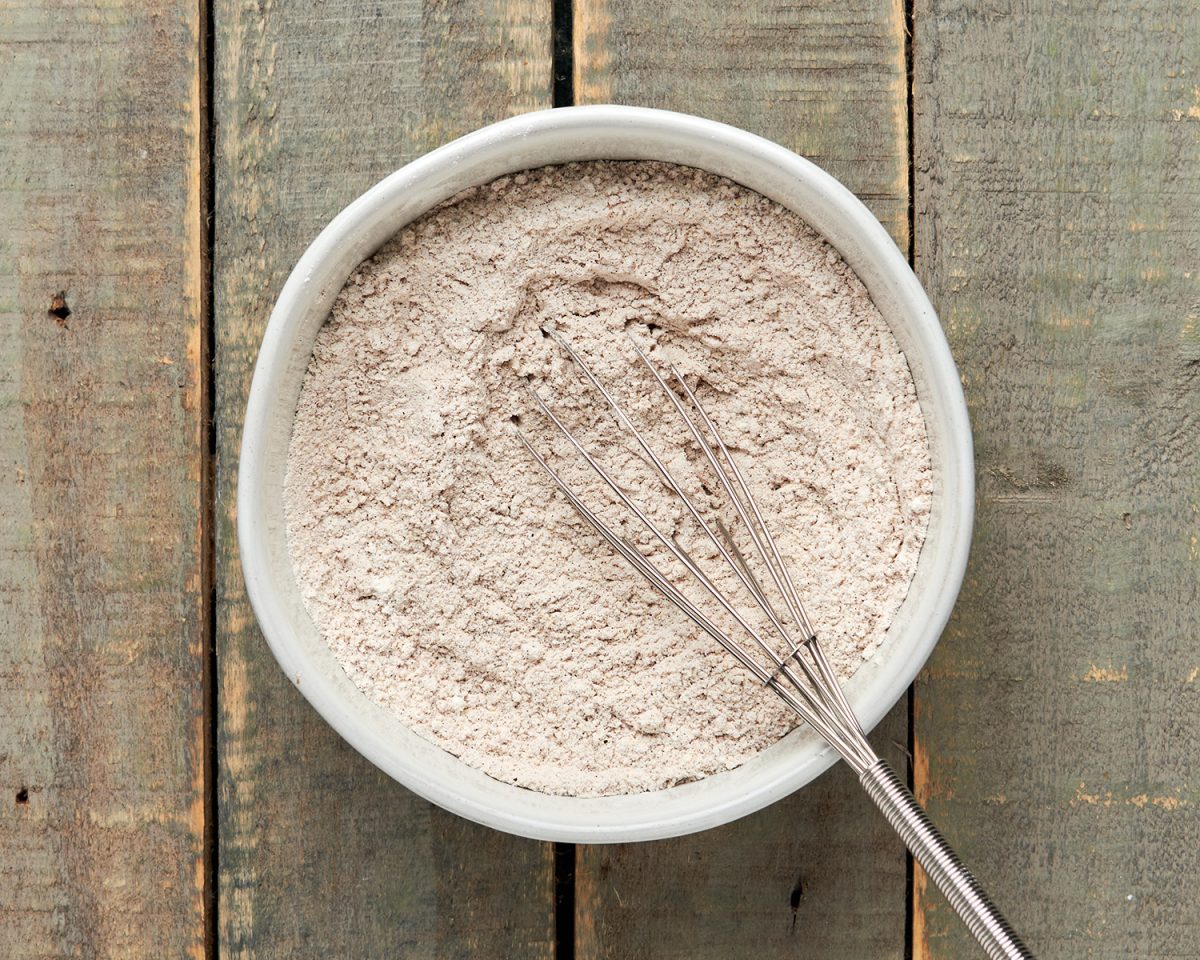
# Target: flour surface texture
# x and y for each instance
(458, 589)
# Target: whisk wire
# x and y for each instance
(770, 552)
(774, 562)
(807, 707)
(725, 545)
(813, 692)
(827, 716)
(664, 472)
(669, 542)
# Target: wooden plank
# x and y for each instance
(827, 80)
(101, 444)
(819, 874)
(321, 854)
(1058, 230)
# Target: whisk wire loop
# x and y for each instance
(806, 683)
(773, 562)
(822, 716)
(805, 706)
(723, 548)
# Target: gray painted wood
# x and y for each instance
(1058, 232)
(819, 874)
(320, 854)
(827, 80)
(101, 444)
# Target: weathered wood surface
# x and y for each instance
(827, 80)
(819, 874)
(1056, 222)
(101, 429)
(320, 854)
(1058, 231)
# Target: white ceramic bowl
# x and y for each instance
(534, 140)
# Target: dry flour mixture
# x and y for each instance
(460, 591)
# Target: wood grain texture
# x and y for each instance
(101, 440)
(1058, 231)
(826, 80)
(818, 874)
(321, 854)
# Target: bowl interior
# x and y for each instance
(533, 140)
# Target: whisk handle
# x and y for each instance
(932, 852)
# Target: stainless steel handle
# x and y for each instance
(945, 869)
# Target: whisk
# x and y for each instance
(801, 675)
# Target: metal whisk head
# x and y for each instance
(802, 675)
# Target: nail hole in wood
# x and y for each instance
(796, 897)
(23, 795)
(58, 307)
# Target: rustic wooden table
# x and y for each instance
(167, 793)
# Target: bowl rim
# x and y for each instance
(606, 819)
